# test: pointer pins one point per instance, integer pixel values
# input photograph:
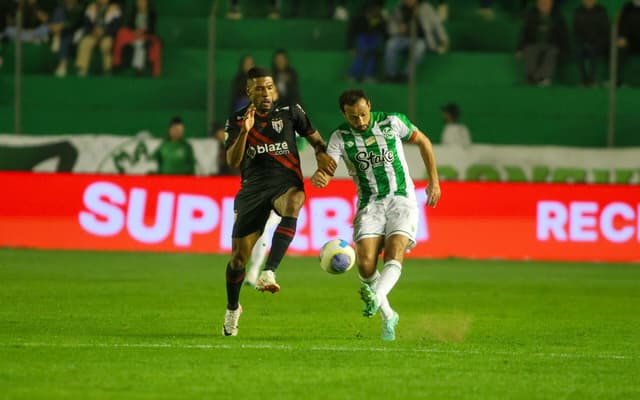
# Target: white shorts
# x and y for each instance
(393, 215)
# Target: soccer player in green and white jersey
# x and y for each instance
(370, 143)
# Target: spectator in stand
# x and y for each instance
(430, 35)
(239, 98)
(338, 8)
(220, 135)
(101, 22)
(175, 154)
(485, 9)
(140, 34)
(591, 30)
(543, 40)
(365, 37)
(66, 27)
(5, 11)
(35, 28)
(628, 35)
(285, 78)
(454, 133)
(235, 13)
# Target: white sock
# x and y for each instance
(258, 255)
(386, 312)
(373, 281)
(388, 279)
(259, 252)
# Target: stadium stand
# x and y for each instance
(480, 73)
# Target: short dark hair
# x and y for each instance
(258, 72)
(453, 109)
(176, 120)
(351, 97)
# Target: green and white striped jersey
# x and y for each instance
(375, 158)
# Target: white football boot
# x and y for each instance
(230, 325)
(267, 282)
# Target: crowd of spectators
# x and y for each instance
(378, 36)
(74, 28)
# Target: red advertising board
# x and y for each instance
(195, 214)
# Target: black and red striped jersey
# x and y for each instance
(271, 149)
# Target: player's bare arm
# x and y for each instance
(325, 162)
(429, 159)
(235, 152)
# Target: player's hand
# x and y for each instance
(326, 163)
(249, 118)
(320, 179)
(433, 194)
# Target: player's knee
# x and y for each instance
(366, 262)
(238, 260)
(294, 203)
(395, 247)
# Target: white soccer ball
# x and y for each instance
(337, 256)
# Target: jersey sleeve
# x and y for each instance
(404, 128)
(232, 130)
(301, 123)
(335, 145)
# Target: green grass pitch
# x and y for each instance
(82, 325)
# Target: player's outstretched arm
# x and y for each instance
(235, 152)
(429, 159)
(320, 179)
(325, 162)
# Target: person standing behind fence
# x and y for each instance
(286, 78)
(175, 154)
(102, 20)
(239, 96)
(365, 37)
(543, 39)
(454, 133)
(140, 33)
(430, 34)
(34, 23)
(591, 31)
(628, 35)
(65, 27)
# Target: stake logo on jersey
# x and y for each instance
(368, 160)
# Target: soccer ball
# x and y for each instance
(337, 256)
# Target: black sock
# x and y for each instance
(235, 277)
(282, 238)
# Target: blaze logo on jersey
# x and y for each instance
(277, 149)
(277, 125)
(370, 159)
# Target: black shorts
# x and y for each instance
(253, 205)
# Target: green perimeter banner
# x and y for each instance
(132, 155)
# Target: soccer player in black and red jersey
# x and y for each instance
(262, 142)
